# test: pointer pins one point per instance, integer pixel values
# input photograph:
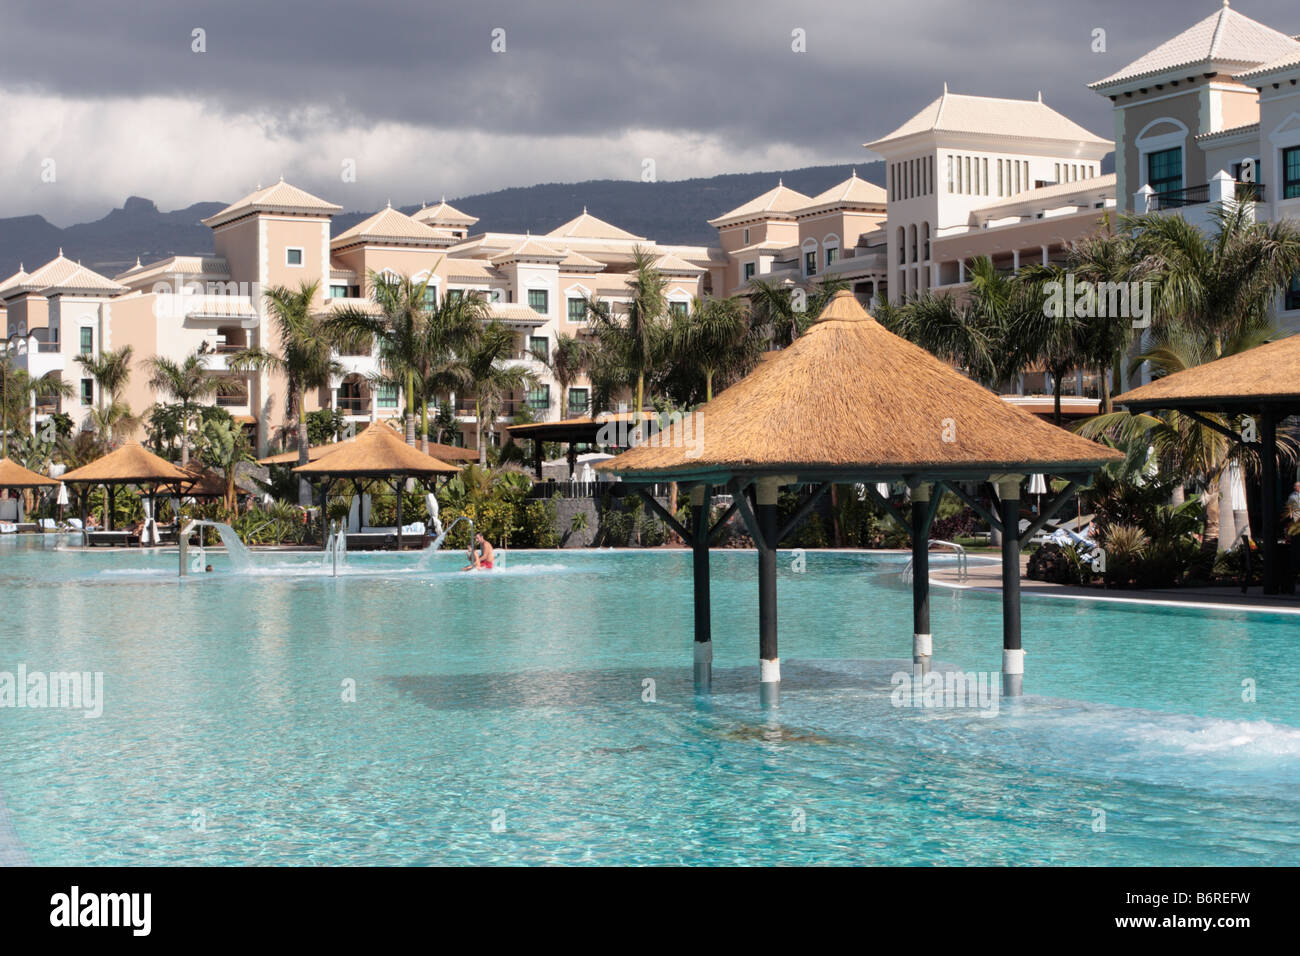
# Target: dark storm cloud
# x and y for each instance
(594, 69)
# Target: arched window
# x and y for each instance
(912, 241)
(925, 227)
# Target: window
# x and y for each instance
(455, 295)
(1293, 294)
(832, 254)
(338, 292)
(969, 188)
(749, 271)
(539, 398)
(577, 310)
(949, 174)
(293, 256)
(537, 300)
(431, 296)
(810, 262)
(1058, 173)
(984, 168)
(746, 235)
(540, 347)
(87, 391)
(578, 400)
(386, 395)
(1291, 173)
(87, 341)
(678, 309)
(1165, 170)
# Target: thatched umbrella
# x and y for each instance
(850, 402)
(1263, 383)
(378, 453)
(436, 449)
(132, 464)
(15, 476)
(609, 428)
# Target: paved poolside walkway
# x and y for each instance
(986, 575)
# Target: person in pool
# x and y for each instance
(480, 558)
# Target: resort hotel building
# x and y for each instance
(1208, 116)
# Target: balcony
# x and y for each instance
(1201, 195)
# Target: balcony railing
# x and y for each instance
(353, 406)
(232, 401)
(1199, 195)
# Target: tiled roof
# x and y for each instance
(1287, 61)
(530, 249)
(391, 225)
(444, 214)
(782, 202)
(852, 192)
(278, 197)
(13, 280)
(61, 274)
(1047, 194)
(1224, 37)
(674, 265)
(991, 116)
(1228, 133)
(515, 314)
(218, 307)
(214, 266)
(579, 262)
(587, 226)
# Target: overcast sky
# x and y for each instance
(413, 94)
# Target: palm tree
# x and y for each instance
(777, 309)
(226, 446)
(974, 332)
(567, 362)
(1052, 338)
(418, 343)
(187, 382)
(306, 356)
(491, 379)
(715, 337)
(18, 392)
(111, 370)
(637, 341)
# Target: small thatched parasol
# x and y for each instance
(378, 453)
(14, 475)
(316, 452)
(131, 464)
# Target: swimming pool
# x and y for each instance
(506, 718)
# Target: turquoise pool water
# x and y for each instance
(500, 718)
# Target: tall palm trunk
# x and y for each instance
(410, 409)
(1056, 400)
(304, 453)
(1212, 503)
(478, 432)
(1227, 518)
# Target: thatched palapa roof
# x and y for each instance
(14, 475)
(851, 400)
(377, 452)
(1267, 375)
(315, 452)
(581, 430)
(131, 464)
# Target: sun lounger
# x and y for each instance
(126, 539)
(8, 527)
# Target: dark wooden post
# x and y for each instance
(573, 459)
(1013, 656)
(400, 483)
(537, 458)
(769, 660)
(700, 527)
(108, 506)
(1269, 505)
(921, 641)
